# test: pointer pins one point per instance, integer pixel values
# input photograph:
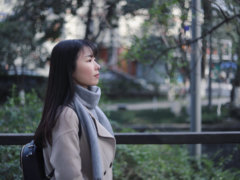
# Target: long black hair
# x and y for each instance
(60, 87)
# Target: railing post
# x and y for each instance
(195, 112)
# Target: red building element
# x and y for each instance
(122, 64)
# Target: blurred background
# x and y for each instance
(145, 52)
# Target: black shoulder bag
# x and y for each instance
(32, 162)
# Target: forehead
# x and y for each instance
(86, 51)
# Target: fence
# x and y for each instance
(228, 137)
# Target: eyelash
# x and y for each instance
(90, 60)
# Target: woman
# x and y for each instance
(77, 138)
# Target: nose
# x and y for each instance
(97, 66)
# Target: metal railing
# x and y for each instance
(227, 137)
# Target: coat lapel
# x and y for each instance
(101, 130)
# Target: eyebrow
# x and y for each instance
(90, 55)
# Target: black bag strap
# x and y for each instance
(50, 175)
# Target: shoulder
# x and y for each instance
(66, 112)
(66, 119)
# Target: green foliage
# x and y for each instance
(132, 6)
(15, 40)
(121, 86)
(146, 48)
(156, 44)
(159, 116)
(28, 26)
(160, 12)
(10, 163)
(211, 116)
(170, 162)
(151, 162)
(144, 116)
(17, 117)
(160, 36)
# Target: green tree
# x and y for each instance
(156, 43)
(34, 22)
(29, 26)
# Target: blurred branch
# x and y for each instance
(189, 42)
(220, 9)
(89, 22)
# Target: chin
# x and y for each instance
(96, 83)
(93, 84)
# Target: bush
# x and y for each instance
(167, 162)
(158, 116)
(210, 116)
(146, 117)
(17, 116)
(132, 161)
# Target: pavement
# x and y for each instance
(174, 105)
(229, 124)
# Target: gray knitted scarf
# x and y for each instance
(90, 98)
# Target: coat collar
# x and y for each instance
(101, 130)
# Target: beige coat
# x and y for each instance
(70, 157)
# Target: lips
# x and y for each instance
(97, 75)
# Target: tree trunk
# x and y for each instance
(89, 24)
(236, 81)
(206, 4)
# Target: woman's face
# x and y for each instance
(87, 69)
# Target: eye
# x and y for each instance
(91, 59)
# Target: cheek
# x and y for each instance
(85, 71)
(82, 73)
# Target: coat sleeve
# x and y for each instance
(65, 156)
